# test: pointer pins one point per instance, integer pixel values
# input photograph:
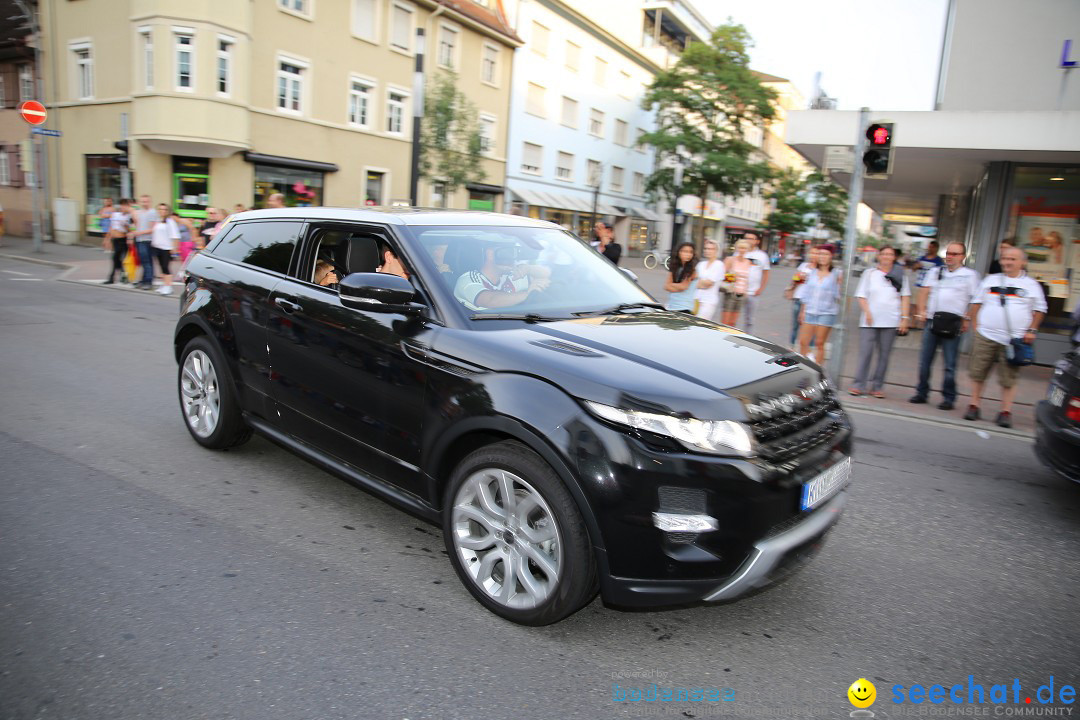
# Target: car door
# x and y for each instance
(343, 379)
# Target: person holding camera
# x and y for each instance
(942, 305)
(1005, 315)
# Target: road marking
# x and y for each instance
(16, 272)
(27, 279)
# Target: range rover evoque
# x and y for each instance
(502, 379)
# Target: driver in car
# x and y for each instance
(500, 282)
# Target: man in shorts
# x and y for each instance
(1007, 305)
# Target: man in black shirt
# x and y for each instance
(610, 249)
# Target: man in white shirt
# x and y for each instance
(1007, 305)
(501, 282)
(145, 219)
(759, 278)
(946, 288)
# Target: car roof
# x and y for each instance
(396, 216)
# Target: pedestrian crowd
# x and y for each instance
(947, 300)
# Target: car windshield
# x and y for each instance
(539, 272)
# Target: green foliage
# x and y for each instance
(792, 211)
(705, 104)
(451, 145)
(829, 201)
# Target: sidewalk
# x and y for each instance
(90, 266)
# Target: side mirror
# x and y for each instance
(377, 292)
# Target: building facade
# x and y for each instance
(999, 157)
(17, 84)
(226, 103)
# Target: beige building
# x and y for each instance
(16, 85)
(224, 102)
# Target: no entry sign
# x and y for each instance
(33, 112)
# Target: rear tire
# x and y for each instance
(207, 394)
(515, 536)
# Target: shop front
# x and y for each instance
(102, 181)
(300, 181)
(191, 187)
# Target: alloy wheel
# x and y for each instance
(200, 394)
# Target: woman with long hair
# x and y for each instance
(682, 278)
(737, 269)
(820, 298)
(884, 301)
(710, 275)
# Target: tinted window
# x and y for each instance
(268, 245)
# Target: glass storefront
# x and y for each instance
(191, 187)
(481, 201)
(639, 239)
(102, 181)
(1043, 217)
(301, 188)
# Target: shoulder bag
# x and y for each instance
(946, 325)
(1018, 353)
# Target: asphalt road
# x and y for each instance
(144, 577)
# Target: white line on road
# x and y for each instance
(16, 272)
(27, 279)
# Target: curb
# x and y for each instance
(103, 286)
(37, 261)
(943, 422)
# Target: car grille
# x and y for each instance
(786, 435)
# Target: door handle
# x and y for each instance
(287, 305)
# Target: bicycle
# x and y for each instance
(654, 257)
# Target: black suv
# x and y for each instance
(496, 376)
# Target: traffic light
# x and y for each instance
(122, 146)
(877, 160)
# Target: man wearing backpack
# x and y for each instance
(942, 303)
(1006, 311)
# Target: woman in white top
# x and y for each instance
(164, 240)
(710, 272)
(791, 292)
(820, 299)
(884, 301)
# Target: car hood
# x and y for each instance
(660, 361)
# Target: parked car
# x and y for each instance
(1057, 420)
(510, 384)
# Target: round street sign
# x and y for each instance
(33, 112)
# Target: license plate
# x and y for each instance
(826, 484)
(1056, 396)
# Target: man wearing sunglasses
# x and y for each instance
(501, 281)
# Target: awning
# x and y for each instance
(642, 212)
(556, 201)
(485, 188)
(254, 157)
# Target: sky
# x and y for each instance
(875, 53)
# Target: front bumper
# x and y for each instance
(1057, 445)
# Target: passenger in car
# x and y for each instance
(500, 282)
(391, 263)
(324, 274)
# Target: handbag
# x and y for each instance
(946, 325)
(1017, 353)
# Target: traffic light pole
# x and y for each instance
(835, 364)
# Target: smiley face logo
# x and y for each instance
(862, 693)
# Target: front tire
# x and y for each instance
(516, 537)
(208, 397)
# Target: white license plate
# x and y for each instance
(825, 485)
(1056, 396)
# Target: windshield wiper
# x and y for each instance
(527, 317)
(621, 307)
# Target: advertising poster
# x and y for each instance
(1052, 244)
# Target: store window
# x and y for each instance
(375, 188)
(481, 201)
(638, 239)
(191, 187)
(102, 181)
(1044, 220)
(301, 188)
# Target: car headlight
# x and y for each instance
(722, 437)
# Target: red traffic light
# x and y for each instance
(879, 134)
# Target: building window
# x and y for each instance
(531, 159)
(374, 187)
(564, 168)
(299, 7)
(534, 100)
(616, 179)
(290, 86)
(626, 85)
(639, 184)
(301, 188)
(224, 65)
(639, 144)
(540, 37)
(185, 61)
(600, 72)
(401, 30)
(596, 123)
(26, 83)
(3, 92)
(593, 171)
(621, 132)
(448, 47)
(569, 112)
(84, 71)
(360, 102)
(489, 65)
(148, 59)
(573, 56)
(364, 19)
(5, 168)
(487, 134)
(395, 111)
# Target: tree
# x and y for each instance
(792, 211)
(451, 146)
(829, 201)
(705, 104)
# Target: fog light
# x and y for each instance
(681, 522)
